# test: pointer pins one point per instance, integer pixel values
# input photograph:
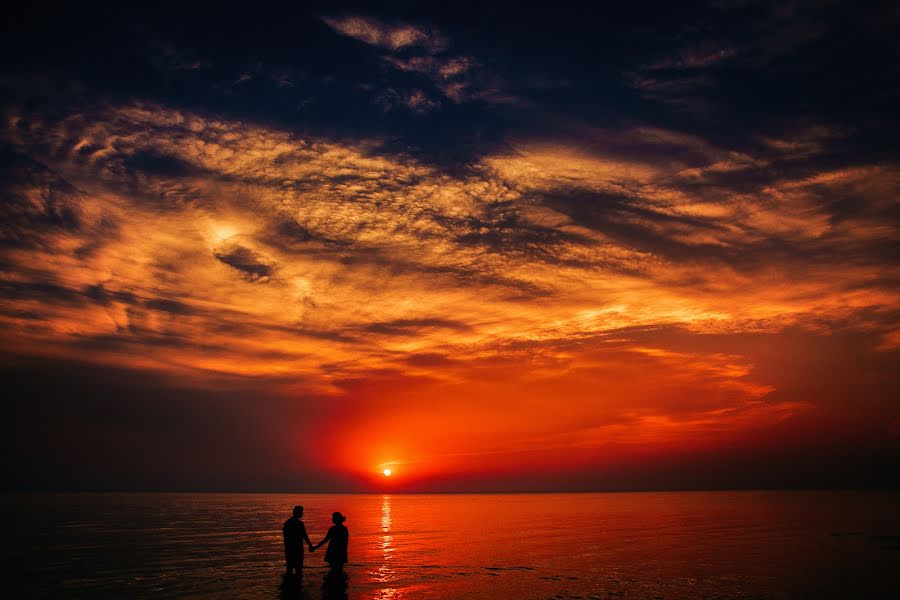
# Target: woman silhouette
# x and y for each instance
(337, 538)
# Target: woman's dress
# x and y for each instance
(338, 538)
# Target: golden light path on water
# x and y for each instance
(384, 574)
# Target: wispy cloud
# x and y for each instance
(427, 52)
(390, 36)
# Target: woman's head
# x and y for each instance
(337, 518)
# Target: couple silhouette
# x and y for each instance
(295, 535)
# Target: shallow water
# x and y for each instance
(619, 545)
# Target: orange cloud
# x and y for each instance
(503, 301)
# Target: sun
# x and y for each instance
(387, 472)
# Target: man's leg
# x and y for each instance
(293, 561)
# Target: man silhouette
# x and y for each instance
(294, 536)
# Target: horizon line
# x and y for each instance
(461, 492)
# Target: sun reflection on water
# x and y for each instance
(384, 574)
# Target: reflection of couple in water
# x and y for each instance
(295, 534)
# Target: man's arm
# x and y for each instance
(306, 538)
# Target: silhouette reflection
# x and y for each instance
(334, 585)
(291, 588)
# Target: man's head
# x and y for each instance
(298, 511)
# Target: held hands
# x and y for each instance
(312, 548)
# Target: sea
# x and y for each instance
(667, 545)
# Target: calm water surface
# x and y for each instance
(623, 545)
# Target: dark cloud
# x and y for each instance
(432, 359)
(34, 198)
(157, 164)
(408, 327)
(246, 261)
(99, 294)
(502, 230)
(169, 305)
(50, 292)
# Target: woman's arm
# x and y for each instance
(322, 543)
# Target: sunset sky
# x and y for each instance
(488, 247)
